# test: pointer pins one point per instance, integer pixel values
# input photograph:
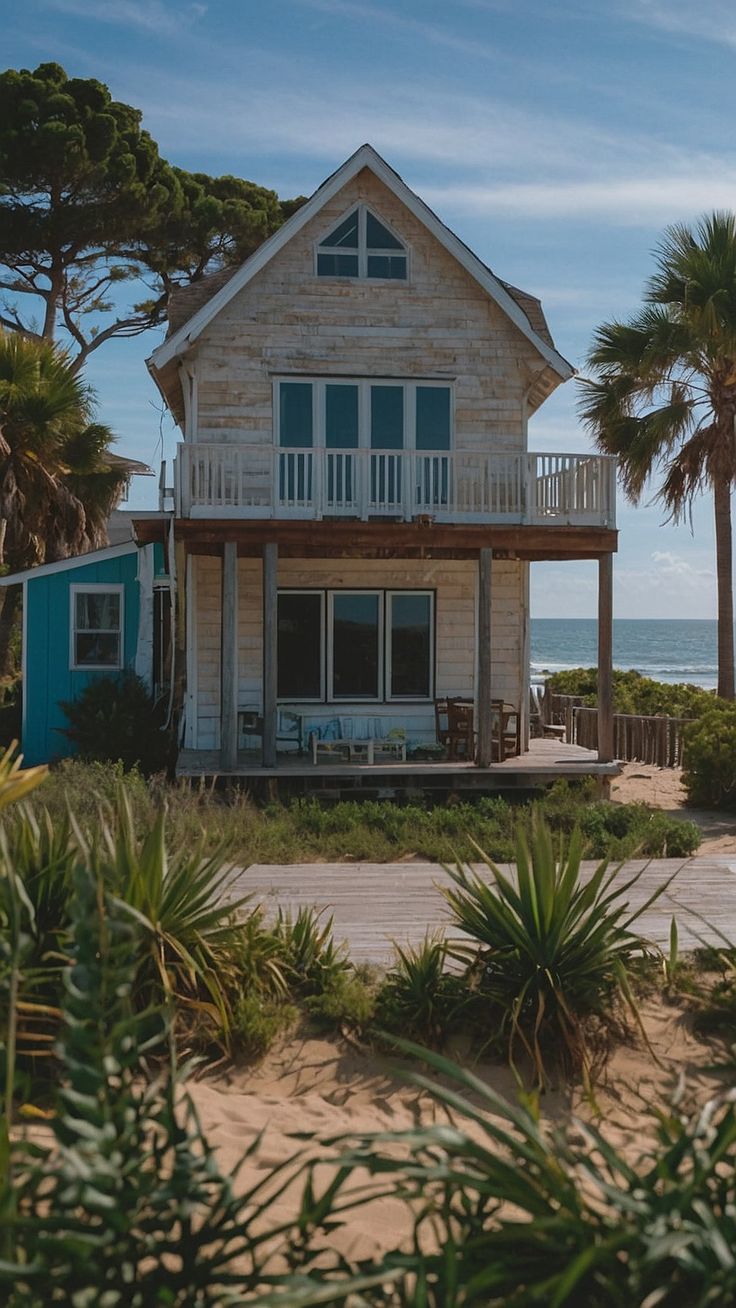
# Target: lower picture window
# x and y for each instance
(356, 637)
(300, 622)
(97, 627)
(355, 645)
(410, 645)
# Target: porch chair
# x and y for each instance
(506, 730)
(461, 733)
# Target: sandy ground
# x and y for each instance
(662, 788)
(326, 1088)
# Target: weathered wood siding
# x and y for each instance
(437, 324)
(455, 584)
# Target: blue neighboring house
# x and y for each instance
(85, 617)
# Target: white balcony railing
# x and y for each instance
(246, 481)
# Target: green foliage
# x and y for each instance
(376, 831)
(709, 759)
(57, 486)
(510, 1214)
(127, 1206)
(311, 959)
(258, 1021)
(633, 693)
(114, 720)
(419, 998)
(550, 947)
(88, 206)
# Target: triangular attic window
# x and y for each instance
(362, 246)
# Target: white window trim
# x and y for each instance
(408, 699)
(362, 251)
(364, 385)
(384, 696)
(309, 699)
(86, 588)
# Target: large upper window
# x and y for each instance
(362, 246)
(97, 627)
(355, 645)
(364, 414)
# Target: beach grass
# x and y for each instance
(307, 830)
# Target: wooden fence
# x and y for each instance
(655, 740)
(637, 739)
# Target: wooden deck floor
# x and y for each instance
(544, 761)
(375, 904)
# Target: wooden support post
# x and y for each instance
(484, 725)
(229, 664)
(270, 651)
(605, 658)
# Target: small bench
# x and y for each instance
(356, 751)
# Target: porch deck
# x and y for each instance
(545, 761)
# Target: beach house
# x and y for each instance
(354, 506)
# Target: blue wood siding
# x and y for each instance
(49, 678)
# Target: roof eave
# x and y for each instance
(365, 157)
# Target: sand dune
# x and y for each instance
(326, 1088)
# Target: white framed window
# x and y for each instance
(301, 640)
(376, 413)
(356, 645)
(410, 644)
(96, 627)
(362, 245)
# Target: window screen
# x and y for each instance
(295, 419)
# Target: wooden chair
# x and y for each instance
(442, 722)
(461, 733)
(506, 720)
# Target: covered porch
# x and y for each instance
(542, 762)
(248, 565)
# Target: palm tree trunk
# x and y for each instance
(8, 624)
(724, 578)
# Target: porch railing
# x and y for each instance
(246, 481)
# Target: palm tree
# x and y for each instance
(58, 479)
(663, 397)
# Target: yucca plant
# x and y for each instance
(310, 957)
(126, 1207)
(510, 1214)
(548, 947)
(182, 903)
(419, 997)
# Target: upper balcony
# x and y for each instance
(247, 481)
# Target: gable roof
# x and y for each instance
(523, 310)
(76, 561)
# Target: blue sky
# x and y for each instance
(556, 137)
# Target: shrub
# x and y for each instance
(419, 997)
(709, 762)
(114, 719)
(257, 1021)
(633, 693)
(550, 948)
(310, 958)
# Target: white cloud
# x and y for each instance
(709, 20)
(151, 16)
(653, 197)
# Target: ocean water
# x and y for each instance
(668, 649)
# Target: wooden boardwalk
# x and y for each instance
(374, 904)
